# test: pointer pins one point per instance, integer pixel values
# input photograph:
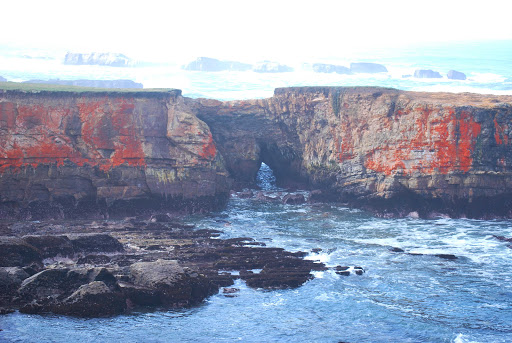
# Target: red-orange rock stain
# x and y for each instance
(209, 149)
(499, 132)
(442, 142)
(106, 124)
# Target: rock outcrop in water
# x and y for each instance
(427, 74)
(383, 149)
(98, 58)
(456, 75)
(367, 67)
(391, 151)
(330, 68)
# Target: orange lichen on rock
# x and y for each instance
(499, 132)
(209, 149)
(443, 141)
(37, 134)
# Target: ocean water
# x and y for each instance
(487, 65)
(399, 298)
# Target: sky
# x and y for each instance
(247, 30)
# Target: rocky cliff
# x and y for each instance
(391, 151)
(69, 154)
(388, 150)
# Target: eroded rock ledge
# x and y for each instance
(66, 153)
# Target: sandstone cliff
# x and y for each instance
(391, 151)
(69, 154)
(385, 149)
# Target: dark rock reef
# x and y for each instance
(152, 265)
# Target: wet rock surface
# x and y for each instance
(102, 269)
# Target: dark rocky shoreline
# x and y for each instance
(92, 269)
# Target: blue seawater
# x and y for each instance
(399, 298)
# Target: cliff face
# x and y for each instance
(385, 149)
(64, 153)
(67, 154)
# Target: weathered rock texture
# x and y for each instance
(385, 149)
(66, 154)
(379, 148)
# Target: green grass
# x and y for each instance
(38, 88)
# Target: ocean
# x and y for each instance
(413, 296)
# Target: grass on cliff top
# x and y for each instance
(39, 87)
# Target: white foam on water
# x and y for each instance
(463, 339)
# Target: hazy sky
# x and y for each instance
(248, 29)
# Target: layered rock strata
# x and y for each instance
(388, 150)
(67, 154)
(392, 151)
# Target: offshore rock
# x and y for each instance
(67, 154)
(212, 65)
(330, 68)
(365, 67)
(456, 75)
(98, 58)
(390, 151)
(427, 74)
(91, 83)
(271, 67)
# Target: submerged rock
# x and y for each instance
(294, 199)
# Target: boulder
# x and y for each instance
(54, 285)
(165, 282)
(51, 246)
(212, 64)
(365, 67)
(426, 74)
(330, 68)
(271, 67)
(98, 58)
(160, 218)
(95, 243)
(94, 299)
(15, 252)
(456, 75)
(293, 199)
(10, 279)
(91, 83)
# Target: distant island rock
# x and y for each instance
(98, 58)
(2, 79)
(91, 83)
(330, 68)
(212, 64)
(426, 74)
(366, 67)
(456, 75)
(271, 67)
